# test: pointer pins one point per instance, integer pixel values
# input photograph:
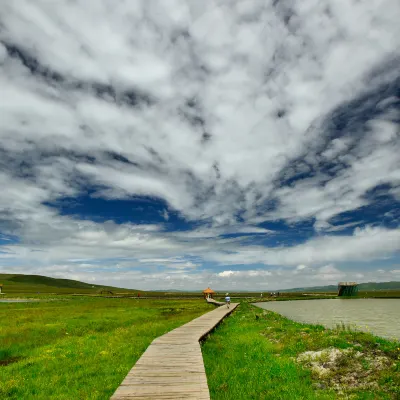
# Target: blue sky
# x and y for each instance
(245, 145)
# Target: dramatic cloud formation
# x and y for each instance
(181, 144)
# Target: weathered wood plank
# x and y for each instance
(215, 302)
(172, 366)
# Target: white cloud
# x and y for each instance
(366, 244)
(301, 269)
(246, 273)
(329, 273)
(197, 279)
(210, 120)
(395, 271)
(165, 215)
(224, 274)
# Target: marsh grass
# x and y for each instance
(343, 327)
(80, 348)
(257, 354)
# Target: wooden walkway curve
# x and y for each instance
(172, 366)
(215, 302)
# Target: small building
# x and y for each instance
(347, 289)
(208, 293)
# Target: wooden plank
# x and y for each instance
(172, 366)
(215, 302)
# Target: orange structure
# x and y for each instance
(208, 293)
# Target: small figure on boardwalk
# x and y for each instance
(227, 300)
(138, 295)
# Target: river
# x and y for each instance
(380, 317)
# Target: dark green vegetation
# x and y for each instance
(80, 347)
(378, 294)
(257, 354)
(393, 285)
(347, 290)
(33, 284)
(369, 286)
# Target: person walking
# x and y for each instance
(227, 300)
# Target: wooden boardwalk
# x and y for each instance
(215, 302)
(172, 366)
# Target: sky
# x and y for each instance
(241, 145)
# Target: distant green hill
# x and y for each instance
(393, 285)
(18, 283)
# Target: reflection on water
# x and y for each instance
(378, 316)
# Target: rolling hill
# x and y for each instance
(33, 284)
(19, 283)
(368, 286)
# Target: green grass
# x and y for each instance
(18, 284)
(80, 347)
(379, 294)
(253, 355)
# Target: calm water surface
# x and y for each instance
(378, 316)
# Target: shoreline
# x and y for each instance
(287, 359)
(353, 316)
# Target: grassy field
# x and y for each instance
(80, 347)
(380, 294)
(257, 354)
(18, 284)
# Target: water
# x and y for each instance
(381, 317)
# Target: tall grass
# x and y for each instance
(80, 348)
